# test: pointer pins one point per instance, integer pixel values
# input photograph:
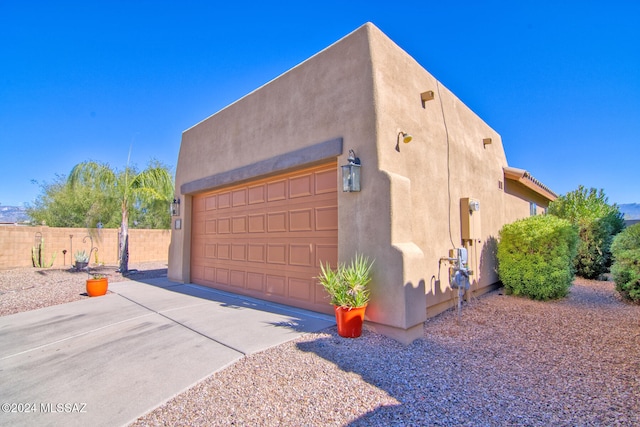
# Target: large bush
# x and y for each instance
(535, 257)
(626, 262)
(88, 202)
(597, 222)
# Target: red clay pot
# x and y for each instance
(350, 321)
(97, 287)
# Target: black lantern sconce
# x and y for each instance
(351, 173)
(175, 207)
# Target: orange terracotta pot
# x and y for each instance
(97, 287)
(350, 321)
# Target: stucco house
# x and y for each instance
(261, 194)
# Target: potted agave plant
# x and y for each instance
(82, 260)
(97, 285)
(347, 287)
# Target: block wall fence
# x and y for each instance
(16, 243)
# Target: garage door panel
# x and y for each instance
(256, 194)
(300, 289)
(197, 272)
(224, 200)
(224, 251)
(325, 182)
(301, 186)
(199, 205)
(210, 203)
(301, 219)
(239, 252)
(326, 253)
(210, 251)
(301, 255)
(277, 191)
(275, 285)
(277, 222)
(239, 197)
(255, 282)
(198, 227)
(224, 225)
(277, 253)
(209, 274)
(210, 226)
(327, 218)
(222, 275)
(257, 223)
(237, 278)
(266, 238)
(257, 252)
(239, 224)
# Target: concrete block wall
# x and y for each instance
(16, 243)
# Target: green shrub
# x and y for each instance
(535, 257)
(597, 222)
(626, 262)
(594, 248)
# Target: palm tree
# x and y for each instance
(128, 187)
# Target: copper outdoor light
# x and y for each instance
(406, 138)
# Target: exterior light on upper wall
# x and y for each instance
(406, 138)
(175, 207)
(486, 141)
(426, 96)
(351, 173)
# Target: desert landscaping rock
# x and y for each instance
(509, 361)
(23, 289)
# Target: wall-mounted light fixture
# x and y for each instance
(175, 207)
(351, 173)
(406, 138)
(426, 96)
(486, 141)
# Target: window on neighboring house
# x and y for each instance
(533, 209)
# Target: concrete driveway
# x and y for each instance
(106, 361)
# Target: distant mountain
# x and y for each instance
(630, 210)
(13, 215)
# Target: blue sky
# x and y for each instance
(559, 80)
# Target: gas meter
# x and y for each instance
(459, 270)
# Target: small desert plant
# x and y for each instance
(347, 284)
(36, 256)
(626, 263)
(535, 257)
(81, 256)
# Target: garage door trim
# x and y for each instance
(299, 158)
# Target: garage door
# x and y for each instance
(266, 238)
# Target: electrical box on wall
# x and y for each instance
(469, 218)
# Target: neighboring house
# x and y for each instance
(262, 204)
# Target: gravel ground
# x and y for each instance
(23, 289)
(509, 362)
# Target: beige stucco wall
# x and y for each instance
(328, 96)
(16, 243)
(365, 89)
(445, 162)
